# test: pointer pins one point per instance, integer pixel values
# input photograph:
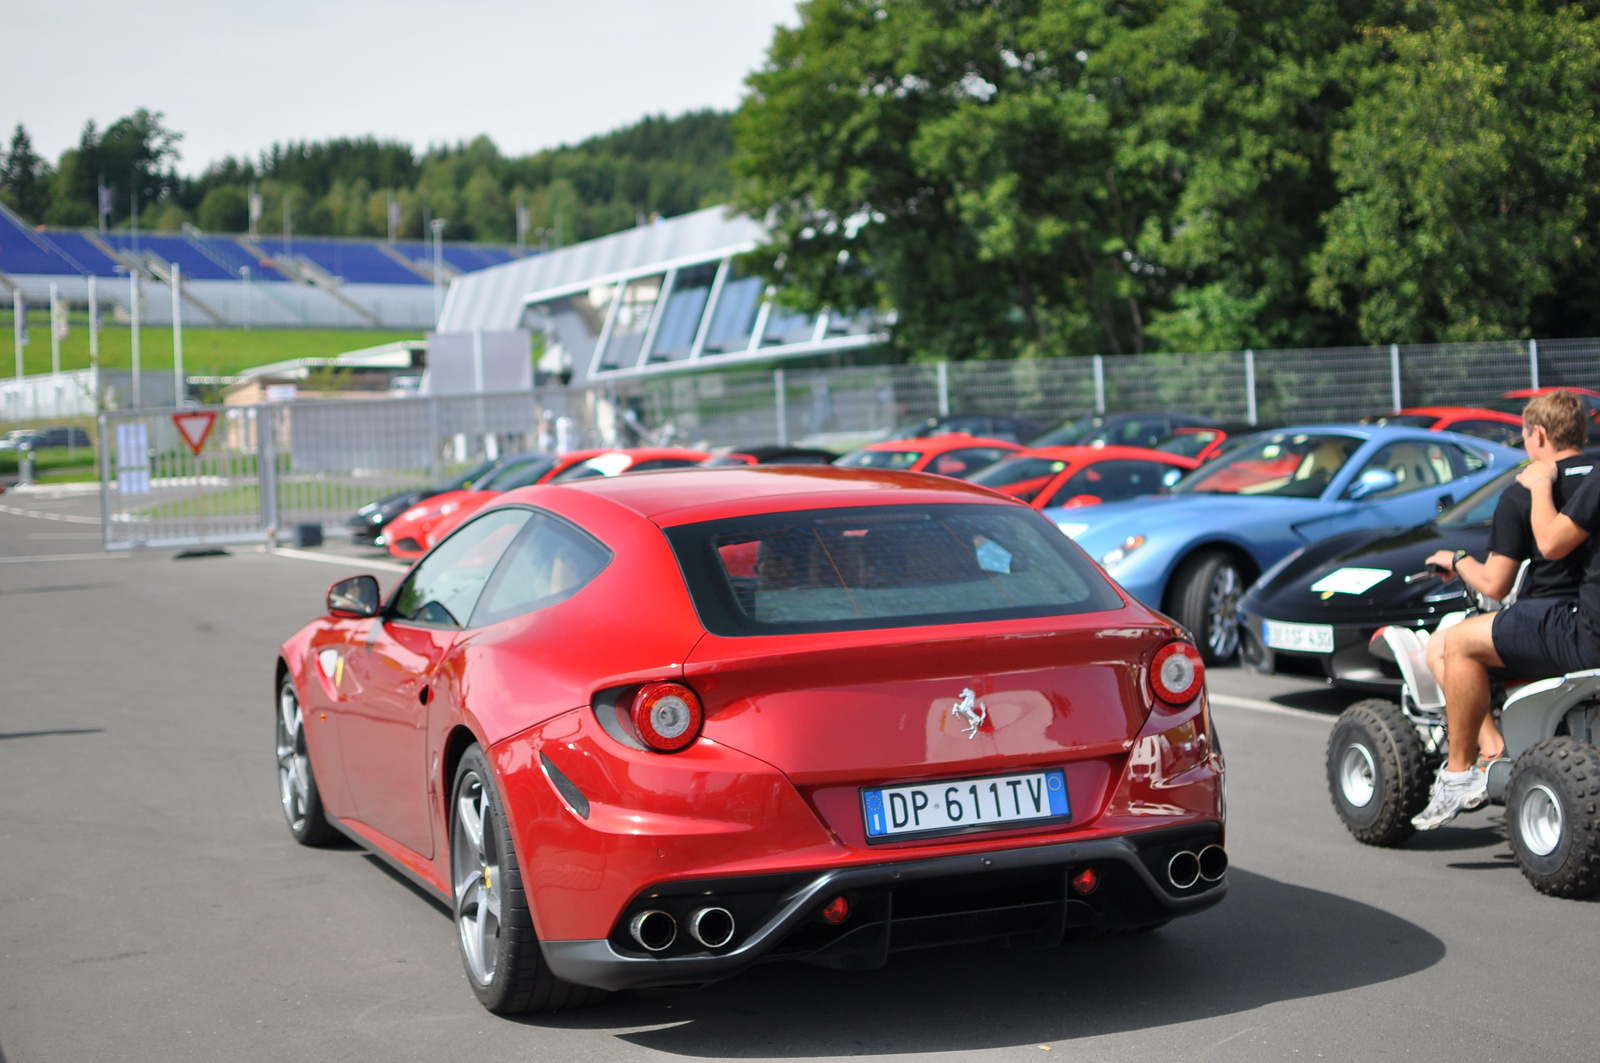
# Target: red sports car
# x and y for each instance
(955, 454)
(650, 730)
(1497, 426)
(1083, 476)
(415, 531)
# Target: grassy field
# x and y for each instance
(206, 351)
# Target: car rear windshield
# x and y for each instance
(882, 567)
(880, 459)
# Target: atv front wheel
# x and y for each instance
(1379, 772)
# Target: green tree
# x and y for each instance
(1050, 176)
(225, 209)
(25, 178)
(1471, 176)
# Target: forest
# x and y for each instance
(344, 187)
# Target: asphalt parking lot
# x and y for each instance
(154, 907)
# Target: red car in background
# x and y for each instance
(1084, 476)
(1497, 426)
(922, 716)
(1513, 402)
(442, 514)
(1203, 444)
(956, 454)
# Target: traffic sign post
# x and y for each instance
(195, 428)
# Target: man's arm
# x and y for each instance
(1492, 578)
(1556, 533)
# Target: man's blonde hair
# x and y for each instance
(1562, 417)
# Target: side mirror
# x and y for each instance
(355, 597)
(1445, 502)
(1373, 482)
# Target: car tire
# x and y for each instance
(1206, 593)
(1553, 816)
(494, 927)
(1379, 772)
(297, 785)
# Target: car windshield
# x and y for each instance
(1478, 507)
(467, 479)
(880, 459)
(1188, 444)
(881, 567)
(1282, 464)
(515, 474)
(612, 463)
(1019, 477)
(1073, 434)
(1407, 420)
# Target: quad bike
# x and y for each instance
(1382, 757)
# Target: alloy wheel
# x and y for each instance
(294, 767)
(1223, 612)
(475, 866)
(1540, 820)
(1357, 775)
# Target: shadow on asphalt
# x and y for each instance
(1331, 700)
(1267, 942)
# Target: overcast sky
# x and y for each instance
(235, 77)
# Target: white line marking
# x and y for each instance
(61, 557)
(49, 516)
(1231, 702)
(335, 559)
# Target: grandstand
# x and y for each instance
(231, 280)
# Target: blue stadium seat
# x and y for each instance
(77, 247)
(196, 265)
(23, 251)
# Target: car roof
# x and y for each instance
(944, 441)
(1081, 455)
(1451, 411)
(685, 496)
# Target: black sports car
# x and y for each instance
(1314, 613)
(369, 520)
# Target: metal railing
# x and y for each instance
(264, 469)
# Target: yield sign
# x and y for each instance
(194, 428)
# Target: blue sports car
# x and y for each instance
(1193, 552)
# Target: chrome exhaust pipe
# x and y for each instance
(1183, 870)
(1213, 863)
(711, 927)
(654, 930)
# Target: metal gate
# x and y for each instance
(258, 471)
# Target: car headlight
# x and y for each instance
(1071, 530)
(377, 518)
(1119, 554)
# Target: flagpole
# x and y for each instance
(94, 329)
(19, 311)
(177, 335)
(55, 331)
(133, 307)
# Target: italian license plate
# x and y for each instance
(1308, 638)
(951, 806)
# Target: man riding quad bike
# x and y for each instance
(1381, 755)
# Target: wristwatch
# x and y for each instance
(1455, 562)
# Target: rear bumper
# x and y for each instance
(1014, 896)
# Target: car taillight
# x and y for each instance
(1177, 673)
(667, 716)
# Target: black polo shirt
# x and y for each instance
(1511, 534)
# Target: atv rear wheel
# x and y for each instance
(1553, 816)
(1379, 772)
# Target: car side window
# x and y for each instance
(663, 463)
(550, 561)
(1416, 465)
(443, 589)
(1112, 481)
(963, 463)
(1141, 432)
(1494, 431)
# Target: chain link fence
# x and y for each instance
(265, 469)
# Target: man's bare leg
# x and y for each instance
(1490, 742)
(1468, 655)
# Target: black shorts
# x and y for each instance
(1538, 639)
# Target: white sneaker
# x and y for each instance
(1454, 792)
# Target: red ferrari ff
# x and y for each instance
(650, 730)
